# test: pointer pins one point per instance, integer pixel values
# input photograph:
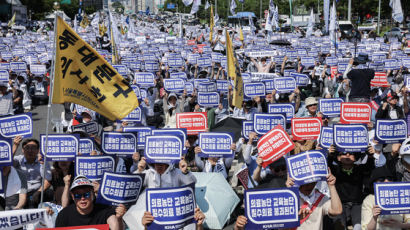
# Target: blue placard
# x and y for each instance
(4, 75)
(141, 133)
(378, 57)
(6, 55)
(391, 64)
(134, 116)
(406, 62)
(263, 123)
(390, 131)
(272, 208)
(18, 66)
(341, 67)
(285, 84)
(93, 167)
(269, 85)
(308, 61)
(199, 81)
(330, 107)
(256, 89)
(121, 69)
(180, 133)
(282, 108)
(172, 208)
(16, 125)
(4, 65)
(204, 62)
(174, 84)
(208, 99)
(392, 197)
(206, 86)
(121, 144)
(134, 65)
(350, 138)
(247, 128)
(300, 78)
(331, 61)
(6, 154)
(222, 85)
(175, 62)
(189, 87)
(192, 58)
(89, 127)
(291, 54)
(38, 69)
(151, 66)
(61, 147)
(137, 91)
(307, 167)
(326, 137)
(120, 188)
(144, 79)
(180, 75)
(215, 144)
(86, 146)
(163, 149)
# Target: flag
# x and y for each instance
(122, 29)
(195, 6)
(397, 11)
(234, 73)
(240, 34)
(207, 5)
(326, 4)
(233, 7)
(187, 2)
(114, 37)
(216, 18)
(250, 21)
(276, 17)
(332, 26)
(127, 20)
(95, 20)
(211, 24)
(271, 6)
(310, 24)
(268, 25)
(84, 77)
(102, 29)
(84, 23)
(75, 23)
(12, 20)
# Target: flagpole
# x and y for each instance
(57, 14)
(291, 15)
(378, 19)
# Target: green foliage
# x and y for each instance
(40, 8)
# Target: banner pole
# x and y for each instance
(50, 98)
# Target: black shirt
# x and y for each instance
(69, 216)
(360, 82)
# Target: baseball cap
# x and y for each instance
(80, 181)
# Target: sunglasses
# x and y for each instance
(278, 169)
(86, 195)
(382, 179)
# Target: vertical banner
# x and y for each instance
(216, 144)
(306, 128)
(16, 125)
(93, 167)
(390, 131)
(61, 147)
(172, 208)
(274, 145)
(120, 144)
(307, 167)
(163, 149)
(355, 113)
(120, 188)
(272, 208)
(350, 138)
(393, 197)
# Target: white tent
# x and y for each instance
(52, 15)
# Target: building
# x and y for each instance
(97, 4)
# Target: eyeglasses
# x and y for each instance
(312, 105)
(86, 195)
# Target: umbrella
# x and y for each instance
(217, 208)
(229, 124)
(280, 42)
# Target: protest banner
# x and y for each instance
(379, 80)
(134, 117)
(264, 122)
(286, 108)
(134, 65)
(256, 89)
(247, 127)
(86, 146)
(261, 76)
(392, 197)
(17, 125)
(216, 144)
(352, 112)
(331, 61)
(118, 188)
(300, 78)
(89, 127)
(306, 128)
(120, 144)
(308, 61)
(272, 208)
(180, 133)
(144, 79)
(390, 131)
(333, 72)
(307, 167)
(209, 100)
(181, 75)
(204, 62)
(98, 86)
(5, 66)
(38, 69)
(4, 75)
(256, 54)
(205, 86)
(285, 84)
(93, 167)
(174, 84)
(141, 133)
(194, 122)
(6, 152)
(60, 147)
(391, 64)
(406, 62)
(330, 107)
(274, 145)
(172, 208)
(175, 62)
(18, 66)
(163, 149)
(17, 219)
(269, 85)
(341, 67)
(350, 138)
(326, 137)
(86, 227)
(222, 86)
(151, 66)
(121, 69)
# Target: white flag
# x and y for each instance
(326, 4)
(187, 2)
(276, 18)
(311, 24)
(180, 26)
(195, 6)
(95, 20)
(207, 5)
(397, 11)
(268, 25)
(233, 7)
(216, 18)
(332, 26)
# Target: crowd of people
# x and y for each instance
(344, 199)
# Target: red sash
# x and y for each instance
(306, 205)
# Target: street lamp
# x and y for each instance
(56, 6)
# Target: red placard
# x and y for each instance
(333, 71)
(89, 227)
(307, 128)
(379, 80)
(191, 42)
(273, 145)
(352, 112)
(194, 122)
(201, 47)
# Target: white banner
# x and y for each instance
(19, 218)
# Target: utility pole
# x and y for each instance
(349, 10)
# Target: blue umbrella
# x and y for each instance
(216, 207)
